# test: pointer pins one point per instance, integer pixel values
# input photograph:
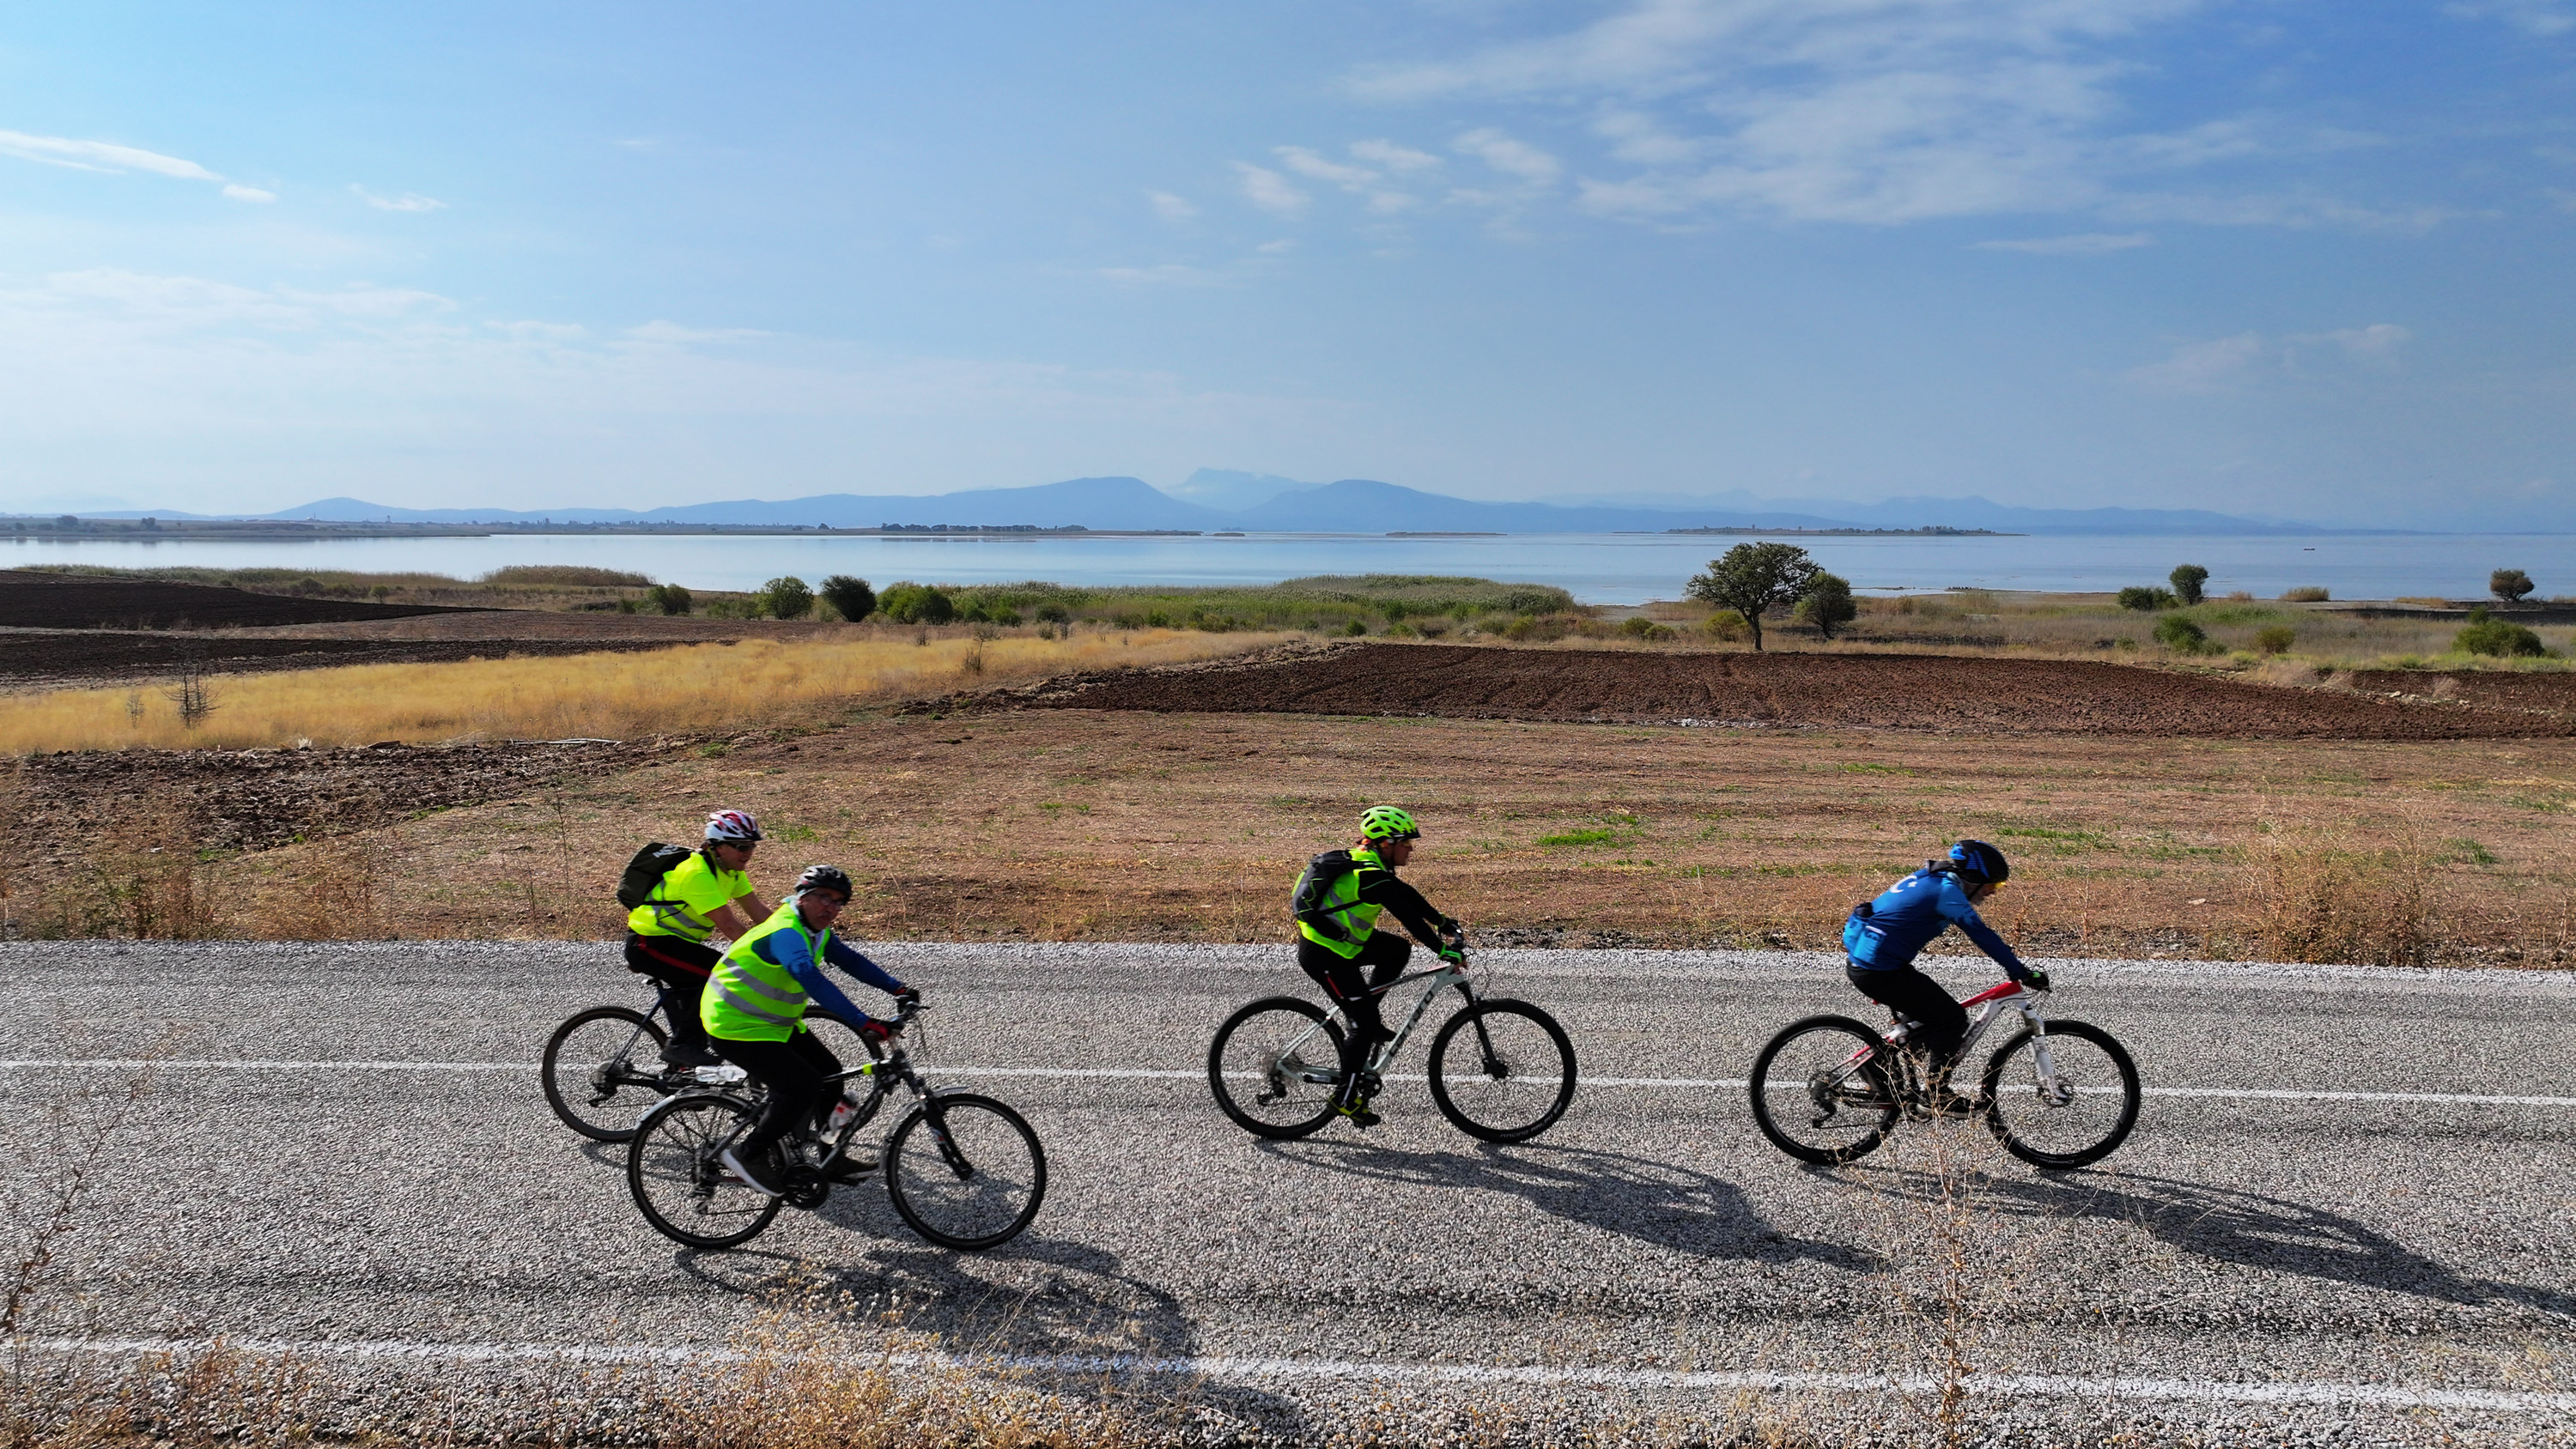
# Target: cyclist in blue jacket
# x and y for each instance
(1884, 936)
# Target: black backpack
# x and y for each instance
(644, 873)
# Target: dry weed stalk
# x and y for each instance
(2332, 894)
(142, 877)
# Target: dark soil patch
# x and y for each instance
(255, 799)
(2552, 693)
(1844, 691)
(72, 658)
(70, 601)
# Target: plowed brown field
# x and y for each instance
(1842, 691)
(70, 601)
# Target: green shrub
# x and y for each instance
(2146, 600)
(911, 603)
(2276, 640)
(2186, 580)
(851, 597)
(2509, 585)
(1355, 628)
(786, 597)
(669, 598)
(2304, 594)
(1828, 604)
(1726, 625)
(569, 575)
(1054, 614)
(2498, 638)
(2183, 636)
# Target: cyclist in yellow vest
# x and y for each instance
(666, 937)
(754, 1010)
(1336, 907)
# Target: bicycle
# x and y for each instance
(1828, 1089)
(979, 1181)
(601, 1068)
(1513, 1081)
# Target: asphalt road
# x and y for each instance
(2346, 1214)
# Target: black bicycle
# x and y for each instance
(1503, 1071)
(602, 1068)
(965, 1171)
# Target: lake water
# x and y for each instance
(1596, 568)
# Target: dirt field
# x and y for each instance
(91, 658)
(61, 601)
(1832, 691)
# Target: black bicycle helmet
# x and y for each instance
(825, 878)
(1979, 862)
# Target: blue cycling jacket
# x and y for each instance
(787, 948)
(1889, 932)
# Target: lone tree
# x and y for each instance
(852, 597)
(2509, 585)
(1828, 604)
(1753, 577)
(2187, 580)
(786, 598)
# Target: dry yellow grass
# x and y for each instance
(682, 690)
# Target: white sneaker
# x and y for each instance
(734, 1165)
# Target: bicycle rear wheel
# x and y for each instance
(1502, 1070)
(1275, 1067)
(681, 1187)
(602, 1069)
(1821, 1092)
(2074, 1113)
(965, 1171)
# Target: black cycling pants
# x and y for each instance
(1354, 982)
(793, 1070)
(1941, 1020)
(681, 967)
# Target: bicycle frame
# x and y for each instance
(2002, 997)
(1443, 975)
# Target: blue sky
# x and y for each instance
(2296, 258)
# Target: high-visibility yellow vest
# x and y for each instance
(749, 997)
(1331, 914)
(688, 890)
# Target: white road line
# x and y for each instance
(2260, 1094)
(2322, 1393)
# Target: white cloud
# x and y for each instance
(2535, 17)
(1875, 112)
(1512, 158)
(408, 201)
(171, 387)
(2203, 367)
(2232, 364)
(1269, 190)
(1394, 157)
(1171, 208)
(1306, 163)
(113, 159)
(2083, 244)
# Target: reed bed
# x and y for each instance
(687, 689)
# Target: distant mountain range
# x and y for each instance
(1216, 499)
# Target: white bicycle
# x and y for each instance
(2059, 1094)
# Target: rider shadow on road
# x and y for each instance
(1034, 1298)
(1669, 1206)
(2248, 1230)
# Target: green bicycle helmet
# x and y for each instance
(1385, 822)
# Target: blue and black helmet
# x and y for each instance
(1977, 861)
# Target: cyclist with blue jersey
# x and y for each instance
(1884, 935)
(754, 1011)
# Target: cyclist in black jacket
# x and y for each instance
(1337, 905)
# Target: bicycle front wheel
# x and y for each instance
(1275, 1067)
(1821, 1091)
(965, 1171)
(1502, 1070)
(2067, 1099)
(681, 1187)
(602, 1069)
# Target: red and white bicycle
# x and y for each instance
(2059, 1094)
